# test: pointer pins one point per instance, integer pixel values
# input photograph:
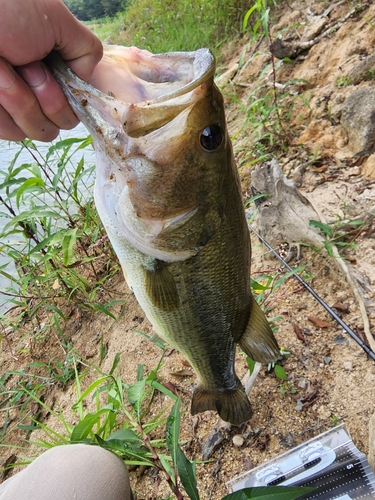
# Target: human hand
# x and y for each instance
(31, 102)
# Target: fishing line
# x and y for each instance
(348, 330)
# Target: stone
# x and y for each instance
(368, 168)
(348, 366)
(238, 440)
(358, 119)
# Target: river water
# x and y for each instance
(7, 153)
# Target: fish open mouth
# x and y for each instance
(133, 75)
(135, 89)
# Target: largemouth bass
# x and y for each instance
(168, 194)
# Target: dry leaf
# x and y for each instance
(318, 322)
(341, 307)
(171, 387)
(182, 373)
(299, 334)
(321, 169)
(56, 285)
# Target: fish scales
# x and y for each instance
(169, 196)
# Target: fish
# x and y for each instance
(168, 193)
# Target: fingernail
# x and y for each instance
(33, 74)
(7, 75)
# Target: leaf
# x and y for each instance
(318, 322)
(115, 363)
(250, 363)
(164, 389)
(85, 426)
(91, 387)
(118, 445)
(104, 309)
(140, 372)
(186, 471)
(255, 285)
(247, 16)
(172, 430)
(125, 435)
(69, 240)
(280, 372)
(168, 467)
(29, 183)
(325, 228)
(182, 373)
(136, 393)
(270, 493)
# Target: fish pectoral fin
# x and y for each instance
(161, 287)
(232, 405)
(258, 340)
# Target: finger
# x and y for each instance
(77, 45)
(22, 105)
(51, 98)
(9, 131)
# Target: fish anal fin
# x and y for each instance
(161, 287)
(232, 405)
(258, 340)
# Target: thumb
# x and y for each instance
(77, 45)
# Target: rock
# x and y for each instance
(340, 340)
(358, 119)
(364, 70)
(238, 440)
(368, 168)
(348, 366)
(284, 214)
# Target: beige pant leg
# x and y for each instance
(71, 472)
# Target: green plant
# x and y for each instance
(338, 233)
(343, 81)
(52, 237)
(287, 387)
(270, 493)
(260, 12)
(164, 26)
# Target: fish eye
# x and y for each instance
(211, 138)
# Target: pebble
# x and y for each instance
(348, 366)
(327, 360)
(340, 339)
(302, 383)
(238, 440)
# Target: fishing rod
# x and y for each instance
(348, 330)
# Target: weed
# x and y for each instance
(164, 26)
(336, 234)
(287, 387)
(52, 236)
(344, 81)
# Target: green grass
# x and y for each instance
(166, 25)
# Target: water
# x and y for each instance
(7, 152)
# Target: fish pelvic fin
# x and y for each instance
(232, 405)
(161, 287)
(258, 340)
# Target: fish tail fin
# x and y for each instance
(258, 340)
(232, 405)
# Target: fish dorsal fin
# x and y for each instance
(161, 287)
(258, 340)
